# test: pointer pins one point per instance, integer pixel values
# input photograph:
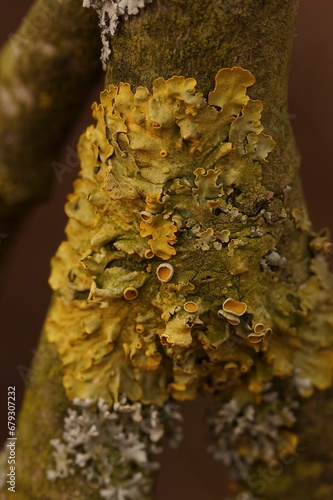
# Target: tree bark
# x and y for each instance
(195, 39)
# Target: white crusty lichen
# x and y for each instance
(114, 448)
(245, 434)
(109, 12)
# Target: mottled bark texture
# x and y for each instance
(46, 70)
(195, 39)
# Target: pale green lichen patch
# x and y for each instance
(173, 278)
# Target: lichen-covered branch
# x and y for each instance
(46, 70)
(156, 172)
(110, 13)
(190, 264)
(173, 281)
(304, 471)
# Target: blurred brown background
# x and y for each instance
(188, 473)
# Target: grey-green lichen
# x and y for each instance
(114, 448)
(168, 177)
(247, 432)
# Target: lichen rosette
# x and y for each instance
(173, 277)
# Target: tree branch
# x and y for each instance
(46, 70)
(193, 39)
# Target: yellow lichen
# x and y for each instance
(163, 236)
(164, 272)
(191, 307)
(130, 293)
(206, 183)
(230, 91)
(234, 307)
(167, 176)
